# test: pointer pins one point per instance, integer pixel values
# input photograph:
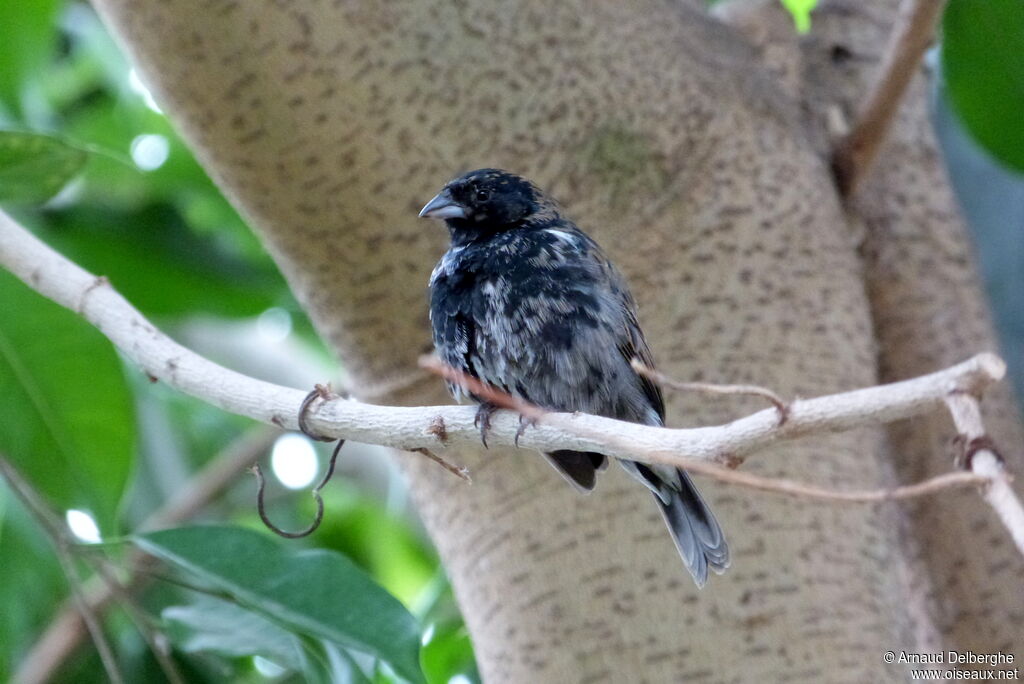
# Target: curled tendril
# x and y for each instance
(317, 519)
(319, 392)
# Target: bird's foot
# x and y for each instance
(483, 420)
(524, 422)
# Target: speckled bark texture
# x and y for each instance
(330, 123)
(929, 310)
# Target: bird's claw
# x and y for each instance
(524, 422)
(483, 421)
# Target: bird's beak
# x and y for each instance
(443, 207)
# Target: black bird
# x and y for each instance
(524, 301)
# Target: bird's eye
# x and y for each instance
(483, 194)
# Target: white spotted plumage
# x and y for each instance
(529, 304)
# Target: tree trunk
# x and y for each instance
(929, 309)
(664, 135)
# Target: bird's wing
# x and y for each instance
(452, 326)
(634, 346)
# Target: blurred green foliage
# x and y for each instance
(93, 434)
(801, 11)
(68, 420)
(33, 167)
(32, 585)
(983, 66)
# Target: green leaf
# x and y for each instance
(448, 653)
(801, 11)
(34, 167)
(215, 626)
(315, 592)
(67, 419)
(983, 65)
(29, 30)
(382, 543)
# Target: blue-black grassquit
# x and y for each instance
(526, 302)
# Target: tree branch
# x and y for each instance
(980, 457)
(723, 474)
(704, 450)
(412, 428)
(711, 388)
(914, 32)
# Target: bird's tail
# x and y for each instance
(580, 468)
(695, 531)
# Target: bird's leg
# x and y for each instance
(483, 420)
(524, 422)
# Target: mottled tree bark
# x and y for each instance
(964, 577)
(329, 123)
(928, 307)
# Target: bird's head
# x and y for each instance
(488, 201)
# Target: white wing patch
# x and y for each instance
(446, 265)
(562, 235)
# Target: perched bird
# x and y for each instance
(527, 303)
